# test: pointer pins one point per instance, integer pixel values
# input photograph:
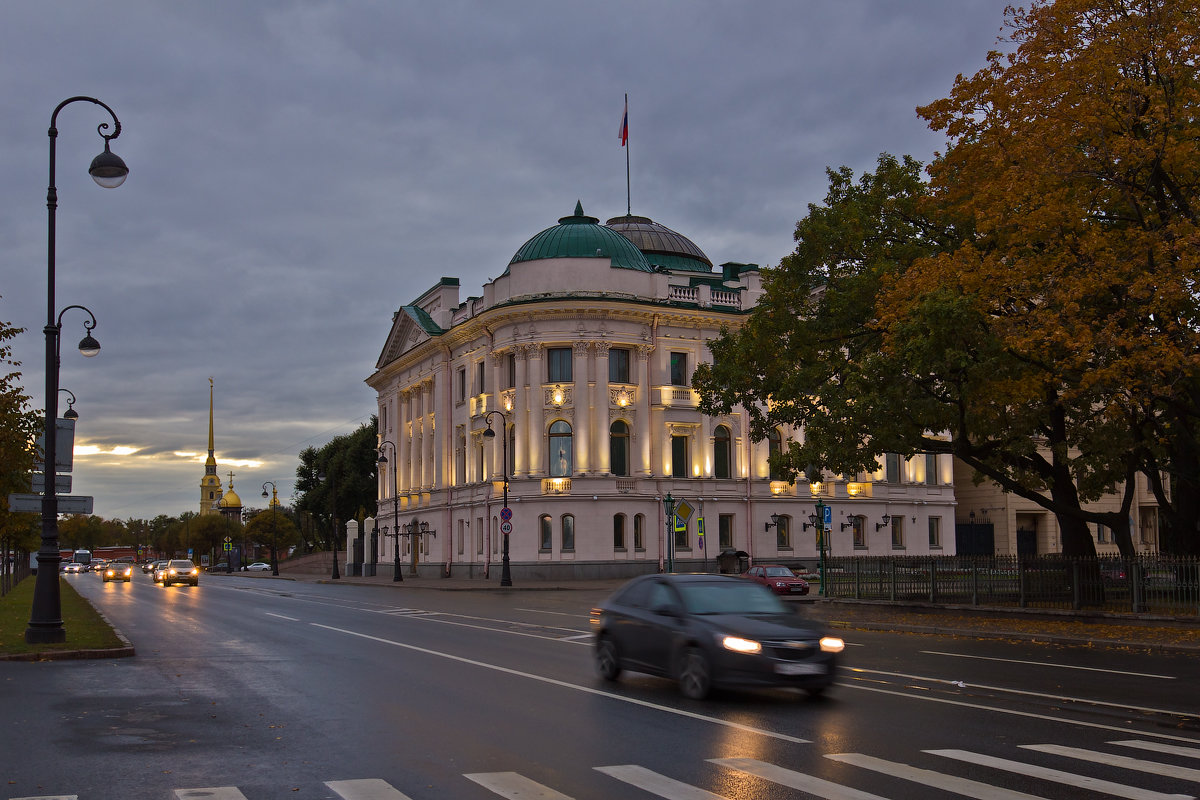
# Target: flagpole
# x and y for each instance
(628, 200)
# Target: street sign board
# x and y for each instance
(684, 510)
(67, 504)
(506, 513)
(828, 522)
(506, 527)
(65, 444)
(62, 483)
(680, 524)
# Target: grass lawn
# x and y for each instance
(86, 629)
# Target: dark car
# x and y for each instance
(179, 570)
(709, 631)
(778, 579)
(118, 571)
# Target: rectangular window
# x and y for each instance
(860, 531)
(725, 531)
(931, 469)
(679, 457)
(481, 378)
(898, 532)
(618, 366)
(935, 532)
(679, 370)
(462, 384)
(568, 533)
(618, 531)
(510, 371)
(1101, 533)
(639, 532)
(558, 365)
(545, 534)
(892, 468)
(783, 534)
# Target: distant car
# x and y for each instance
(222, 567)
(118, 572)
(258, 566)
(97, 565)
(777, 578)
(707, 631)
(156, 570)
(179, 570)
(73, 566)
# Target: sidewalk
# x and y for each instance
(1128, 631)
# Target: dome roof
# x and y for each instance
(661, 246)
(580, 236)
(230, 500)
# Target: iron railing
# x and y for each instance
(14, 565)
(1144, 585)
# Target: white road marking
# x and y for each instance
(795, 780)
(214, 793)
(366, 789)
(951, 783)
(573, 686)
(1123, 762)
(1047, 664)
(514, 786)
(1175, 750)
(661, 785)
(281, 616)
(1059, 776)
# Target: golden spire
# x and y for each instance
(210, 464)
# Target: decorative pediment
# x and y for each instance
(411, 326)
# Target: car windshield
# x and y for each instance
(729, 598)
(779, 572)
(181, 565)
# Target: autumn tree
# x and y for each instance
(19, 426)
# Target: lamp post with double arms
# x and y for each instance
(396, 576)
(505, 514)
(274, 529)
(669, 508)
(108, 171)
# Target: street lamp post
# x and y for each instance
(669, 508)
(395, 534)
(333, 516)
(505, 574)
(108, 171)
(274, 528)
(396, 576)
(220, 504)
(818, 521)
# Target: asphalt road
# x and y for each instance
(264, 689)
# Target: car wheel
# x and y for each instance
(695, 676)
(815, 691)
(608, 664)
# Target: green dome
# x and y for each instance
(580, 236)
(662, 246)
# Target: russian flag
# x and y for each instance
(624, 134)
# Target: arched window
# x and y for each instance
(639, 532)
(783, 533)
(722, 452)
(561, 456)
(618, 531)
(545, 533)
(618, 448)
(568, 532)
(774, 448)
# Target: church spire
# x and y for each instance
(210, 484)
(210, 465)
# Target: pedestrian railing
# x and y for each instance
(1144, 585)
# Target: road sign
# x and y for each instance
(67, 504)
(680, 524)
(828, 522)
(64, 443)
(62, 483)
(506, 527)
(684, 510)
(506, 513)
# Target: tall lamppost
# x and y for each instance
(505, 514)
(396, 576)
(108, 171)
(333, 517)
(818, 522)
(220, 504)
(274, 528)
(669, 508)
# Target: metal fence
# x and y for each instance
(1144, 585)
(14, 565)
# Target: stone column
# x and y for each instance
(600, 403)
(645, 431)
(535, 435)
(583, 402)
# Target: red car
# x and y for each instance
(778, 579)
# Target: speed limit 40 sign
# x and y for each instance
(506, 527)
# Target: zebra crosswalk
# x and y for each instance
(1173, 767)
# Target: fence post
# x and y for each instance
(932, 580)
(1076, 586)
(974, 582)
(892, 572)
(1136, 586)
(1021, 583)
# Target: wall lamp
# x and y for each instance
(774, 523)
(886, 521)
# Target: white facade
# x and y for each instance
(585, 366)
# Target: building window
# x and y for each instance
(618, 531)
(561, 458)
(860, 531)
(639, 532)
(722, 453)
(679, 457)
(568, 532)
(510, 371)
(897, 532)
(935, 533)
(618, 448)
(618, 365)
(545, 534)
(1101, 533)
(480, 378)
(725, 531)
(931, 469)
(679, 370)
(558, 365)
(774, 448)
(892, 468)
(783, 533)
(462, 384)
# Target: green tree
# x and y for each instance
(267, 528)
(19, 427)
(349, 463)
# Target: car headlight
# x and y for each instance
(832, 644)
(195, 570)
(739, 645)
(171, 572)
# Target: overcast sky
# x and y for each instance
(299, 170)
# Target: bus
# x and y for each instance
(82, 556)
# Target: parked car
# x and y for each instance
(221, 567)
(777, 578)
(179, 570)
(709, 631)
(118, 572)
(258, 566)
(73, 567)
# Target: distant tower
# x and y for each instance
(210, 484)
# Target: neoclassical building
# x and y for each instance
(578, 359)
